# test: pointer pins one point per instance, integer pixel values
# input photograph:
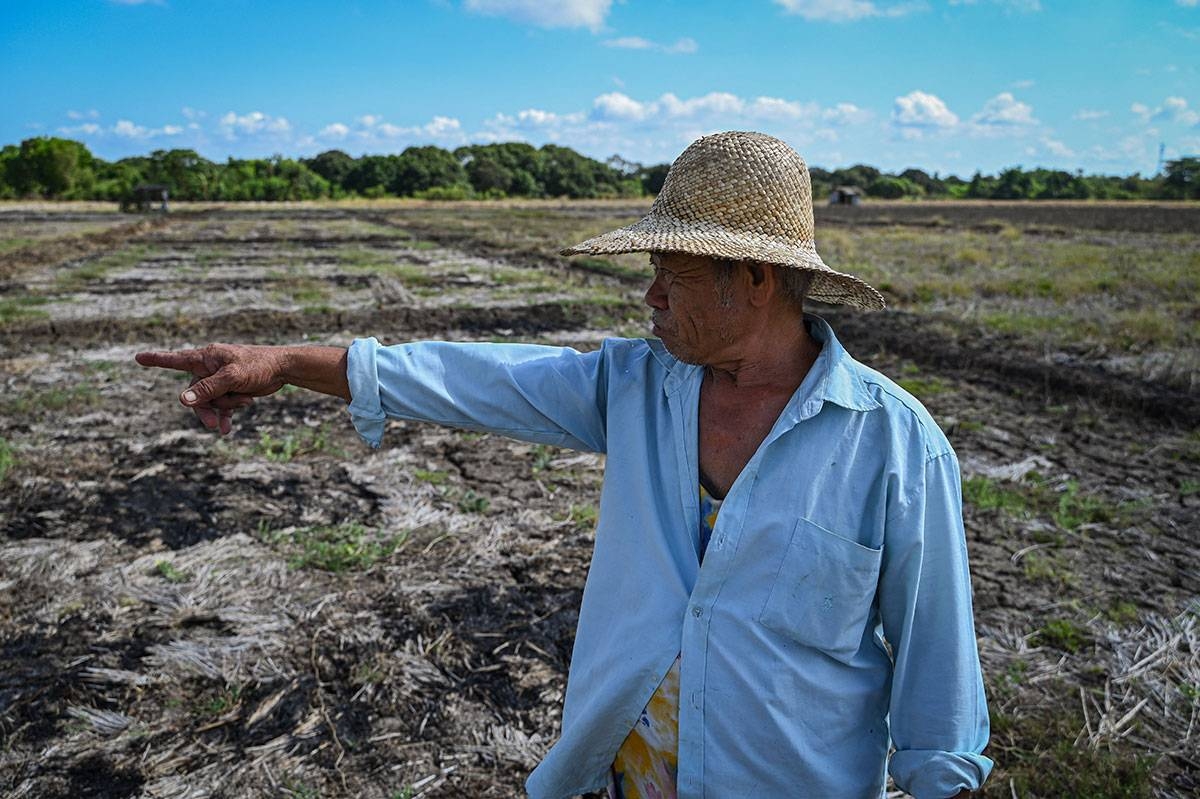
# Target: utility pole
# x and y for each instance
(1161, 151)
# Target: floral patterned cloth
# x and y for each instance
(647, 763)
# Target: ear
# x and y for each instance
(760, 282)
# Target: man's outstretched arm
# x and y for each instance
(226, 377)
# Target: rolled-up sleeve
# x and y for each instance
(550, 395)
(938, 712)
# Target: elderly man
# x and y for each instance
(779, 592)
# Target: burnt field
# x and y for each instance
(287, 613)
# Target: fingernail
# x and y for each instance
(189, 396)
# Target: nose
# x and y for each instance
(656, 295)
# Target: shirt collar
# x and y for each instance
(834, 377)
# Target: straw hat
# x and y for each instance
(737, 195)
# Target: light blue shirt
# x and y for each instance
(834, 596)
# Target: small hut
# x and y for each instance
(845, 195)
(145, 196)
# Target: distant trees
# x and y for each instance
(47, 167)
(54, 168)
(1182, 180)
(333, 165)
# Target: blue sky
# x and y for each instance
(945, 85)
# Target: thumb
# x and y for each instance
(204, 391)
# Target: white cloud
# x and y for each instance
(684, 46)
(1012, 5)
(441, 127)
(846, 114)
(846, 10)
(371, 131)
(535, 117)
(777, 108)
(89, 114)
(192, 114)
(919, 112)
(1055, 147)
(1173, 109)
(335, 130)
(657, 128)
(1024, 84)
(1188, 3)
(1003, 112)
(1130, 150)
(128, 130)
(87, 128)
(630, 43)
(1089, 114)
(711, 103)
(252, 124)
(723, 110)
(557, 14)
(616, 105)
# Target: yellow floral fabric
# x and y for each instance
(647, 764)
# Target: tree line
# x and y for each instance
(54, 168)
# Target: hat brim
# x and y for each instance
(657, 233)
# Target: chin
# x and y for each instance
(681, 353)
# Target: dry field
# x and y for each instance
(287, 613)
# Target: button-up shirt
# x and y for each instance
(831, 618)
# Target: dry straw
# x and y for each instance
(742, 196)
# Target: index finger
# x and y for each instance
(182, 360)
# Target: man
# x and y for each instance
(824, 616)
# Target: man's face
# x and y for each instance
(694, 308)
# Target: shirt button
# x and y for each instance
(697, 611)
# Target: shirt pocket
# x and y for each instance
(823, 593)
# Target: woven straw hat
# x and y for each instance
(742, 196)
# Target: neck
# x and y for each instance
(775, 357)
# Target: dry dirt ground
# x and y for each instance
(287, 613)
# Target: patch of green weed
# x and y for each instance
(1046, 569)
(543, 454)
(55, 398)
(96, 269)
(1061, 634)
(584, 515)
(7, 458)
(1037, 755)
(221, 703)
(167, 570)
(1075, 509)
(984, 493)
(1122, 613)
(292, 444)
(470, 502)
(16, 243)
(338, 548)
(13, 309)
(430, 476)
(922, 386)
